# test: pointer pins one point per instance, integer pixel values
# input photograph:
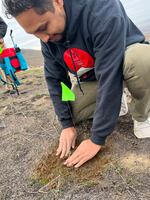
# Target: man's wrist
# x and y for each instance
(94, 142)
(98, 140)
(70, 128)
(67, 123)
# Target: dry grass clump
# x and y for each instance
(52, 171)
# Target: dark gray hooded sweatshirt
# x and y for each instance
(95, 39)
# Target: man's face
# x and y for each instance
(48, 26)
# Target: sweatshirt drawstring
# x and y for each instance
(78, 81)
(74, 65)
(75, 69)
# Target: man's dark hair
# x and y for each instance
(16, 7)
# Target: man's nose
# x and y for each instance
(43, 37)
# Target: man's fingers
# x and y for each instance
(73, 144)
(68, 149)
(81, 162)
(67, 137)
(59, 150)
(64, 148)
(73, 157)
(75, 161)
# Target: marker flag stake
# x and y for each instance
(67, 94)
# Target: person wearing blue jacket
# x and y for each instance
(98, 43)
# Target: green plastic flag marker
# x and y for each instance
(67, 94)
(1, 50)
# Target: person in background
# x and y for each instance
(3, 30)
(97, 42)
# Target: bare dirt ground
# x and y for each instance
(29, 133)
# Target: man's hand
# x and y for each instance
(2, 43)
(85, 151)
(66, 142)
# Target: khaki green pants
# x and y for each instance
(136, 70)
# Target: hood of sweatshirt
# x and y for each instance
(72, 18)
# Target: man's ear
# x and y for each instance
(59, 2)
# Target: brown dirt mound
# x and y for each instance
(51, 167)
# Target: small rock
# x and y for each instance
(2, 125)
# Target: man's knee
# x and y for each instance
(137, 62)
(83, 106)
